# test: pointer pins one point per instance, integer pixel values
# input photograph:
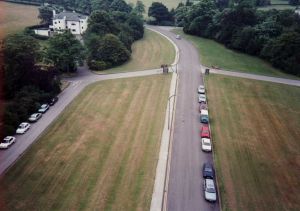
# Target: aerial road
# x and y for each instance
(185, 182)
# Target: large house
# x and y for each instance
(76, 23)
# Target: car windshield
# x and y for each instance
(210, 190)
(206, 143)
(208, 169)
(4, 141)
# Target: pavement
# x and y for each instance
(254, 76)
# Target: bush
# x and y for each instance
(98, 65)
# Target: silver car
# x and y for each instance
(201, 89)
(7, 141)
(35, 117)
(210, 193)
(202, 98)
(43, 108)
(23, 127)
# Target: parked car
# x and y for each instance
(208, 171)
(23, 127)
(205, 133)
(202, 106)
(43, 108)
(35, 117)
(202, 98)
(201, 89)
(178, 37)
(210, 193)
(7, 141)
(53, 101)
(206, 144)
(204, 116)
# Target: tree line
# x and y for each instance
(273, 35)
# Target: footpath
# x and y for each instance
(160, 184)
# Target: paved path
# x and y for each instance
(255, 77)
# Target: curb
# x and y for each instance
(162, 169)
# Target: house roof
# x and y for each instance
(70, 16)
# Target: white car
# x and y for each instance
(201, 89)
(35, 117)
(23, 127)
(206, 144)
(7, 141)
(178, 37)
(43, 108)
(210, 193)
(202, 98)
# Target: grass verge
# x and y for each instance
(256, 141)
(213, 53)
(168, 3)
(15, 17)
(147, 53)
(100, 154)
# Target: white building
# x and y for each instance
(76, 23)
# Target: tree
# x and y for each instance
(20, 54)
(137, 26)
(64, 52)
(45, 14)
(294, 2)
(283, 52)
(107, 52)
(139, 8)
(160, 12)
(101, 23)
(120, 5)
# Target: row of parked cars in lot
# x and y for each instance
(24, 126)
(210, 193)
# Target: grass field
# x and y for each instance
(277, 7)
(147, 53)
(168, 3)
(15, 17)
(100, 154)
(256, 138)
(216, 54)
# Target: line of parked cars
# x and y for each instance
(209, 188)
(25, 126)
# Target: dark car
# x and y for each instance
(208, 171)
(53, 101)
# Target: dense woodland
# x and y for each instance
(273, 35)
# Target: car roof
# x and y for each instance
(210, 183)
(204, 111)
(8, 137)
(205, 127)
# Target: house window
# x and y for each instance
(55, 22)
(59, 27)
(58, 21)
(73, 30)
(82, 27)
(73, 24)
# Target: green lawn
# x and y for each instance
(277, 7)
(100, 154)
(147, 53)
(255, 127)
(168, 3)
(15, 17)
(216, 54)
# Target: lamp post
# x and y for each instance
(169, 110)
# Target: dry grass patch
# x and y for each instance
(15, 17)
(257, 143)
(147, 53)
(100, 154)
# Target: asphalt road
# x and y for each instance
(78, 83)
(185, 187)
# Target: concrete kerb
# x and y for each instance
(161, 177)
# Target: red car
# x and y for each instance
(205, 133)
